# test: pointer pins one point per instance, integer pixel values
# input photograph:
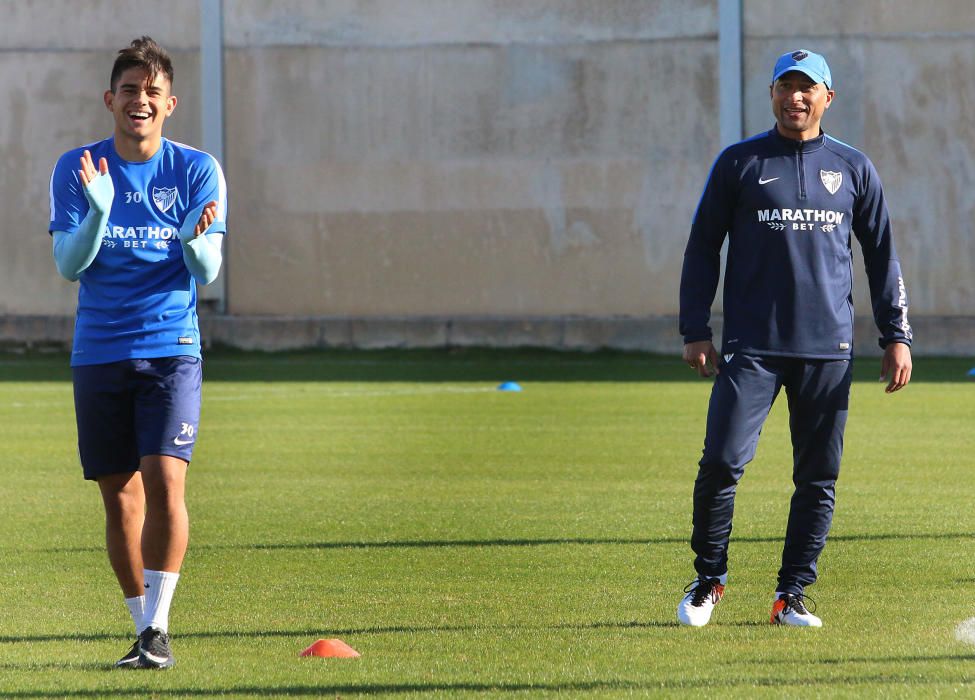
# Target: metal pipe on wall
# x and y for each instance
(211, 119)
(729, 70)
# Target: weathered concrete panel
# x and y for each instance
(940, 335)
(506, 333)
(918, 130)
(102, 26)
(655, 334)
(44, 107)
(438, 171)
(398, 333)
(269, 334)
(480, 180)
(783, 19)
(53, 102)
(36, 330)
(398, 23)
(306, 104)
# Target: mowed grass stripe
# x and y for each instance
(472, 542)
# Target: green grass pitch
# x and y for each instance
(476, 543)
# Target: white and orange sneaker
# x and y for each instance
(790, 609)
(702, 594)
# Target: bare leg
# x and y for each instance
(125, 505)
(166, 530)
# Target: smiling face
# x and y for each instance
(140, 107)
(799, 104)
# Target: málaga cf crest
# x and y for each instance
(831, 180)
(165, 197)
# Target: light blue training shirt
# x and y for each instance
(137, 299)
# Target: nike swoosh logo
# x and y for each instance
(153, 657)
(763, 181)
(177, 441)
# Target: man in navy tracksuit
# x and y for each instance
(788, 201)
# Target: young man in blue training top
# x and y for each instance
(138, 220)
(788, 201)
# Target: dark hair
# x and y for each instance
(146, 54)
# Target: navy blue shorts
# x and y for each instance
(130, 409)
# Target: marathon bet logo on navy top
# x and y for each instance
(790, 209)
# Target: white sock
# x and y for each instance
(160, 586)
(137, 609)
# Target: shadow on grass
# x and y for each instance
(886, 659)
(55, 666)
(302, 634)
(526, 542)
(900, 678)
(445, 365)
(558, 541)
(325, 690)
(23, 638)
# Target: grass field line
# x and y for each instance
(573, 361)
(965, 632)
(347, 393)
(38, 388)
(329, 391)
(37, 404)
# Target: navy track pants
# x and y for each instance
(818, 392)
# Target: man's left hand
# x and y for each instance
(897, 366)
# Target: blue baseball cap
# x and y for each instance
(812, 64)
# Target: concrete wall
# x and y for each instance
(901, 78)
(466, 157)
(55, 61)
(418, 171)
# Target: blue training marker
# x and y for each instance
(509, 386)
(971, 373)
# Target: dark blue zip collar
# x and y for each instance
(808, 146)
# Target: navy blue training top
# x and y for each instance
(788, 208)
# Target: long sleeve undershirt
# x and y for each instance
(74, 252)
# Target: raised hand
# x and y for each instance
(206, 218)
(198, 221)
(98, 187)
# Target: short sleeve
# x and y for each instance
(207, 184)
(69, 206)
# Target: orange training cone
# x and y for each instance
(331, 648)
